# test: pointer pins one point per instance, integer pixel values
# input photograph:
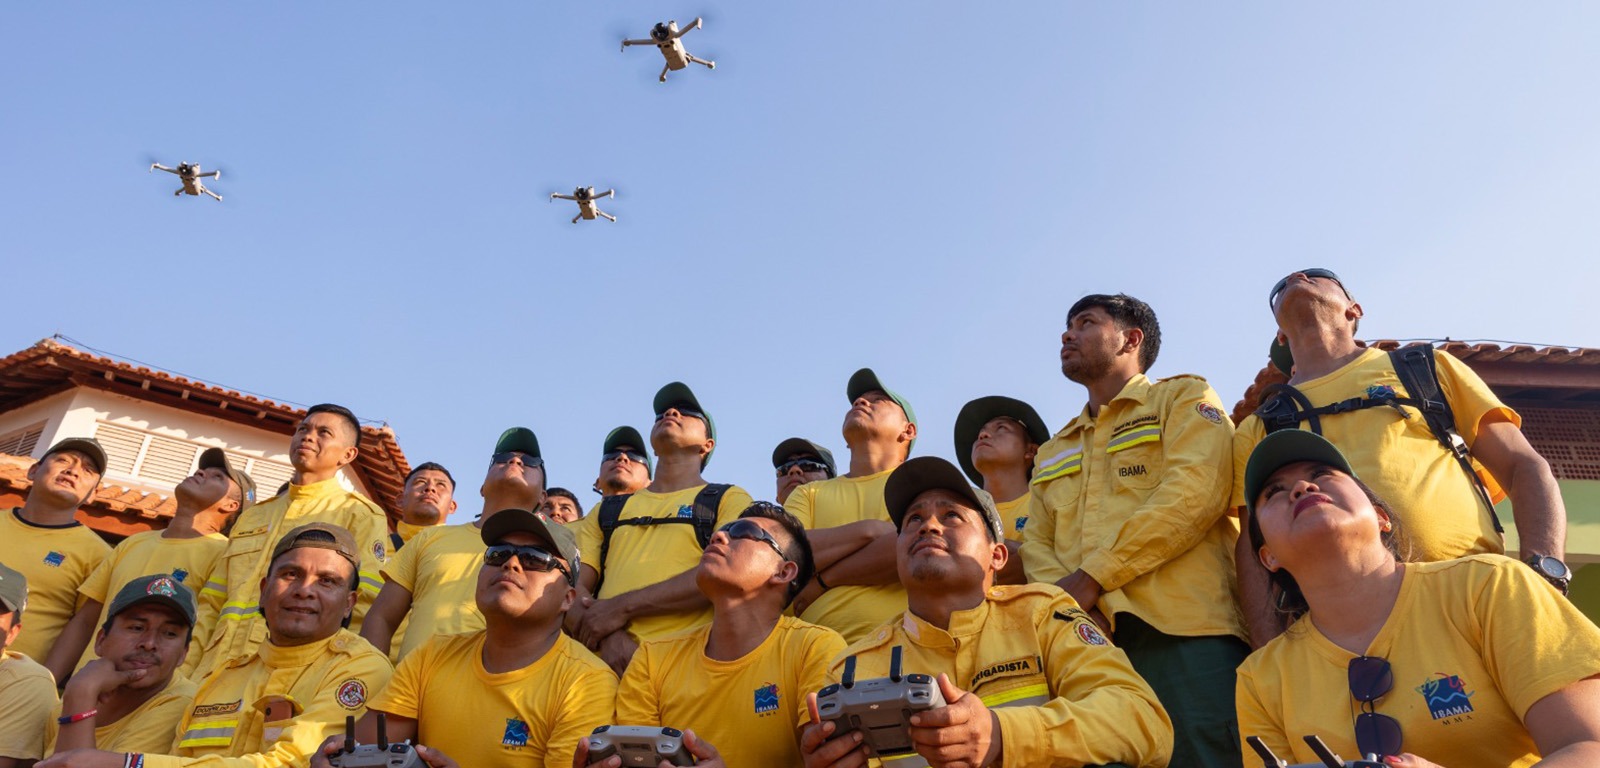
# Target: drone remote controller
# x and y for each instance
(1327, 756)
(644, 745)
(380, 755)
(881, 708)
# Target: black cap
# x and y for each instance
(981, 411)
(927, 473)
(802, 446)
(1285, 447)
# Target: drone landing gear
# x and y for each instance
(214, 195)
(664, 72)
(179, 192)
(708, 64)
(607, 216)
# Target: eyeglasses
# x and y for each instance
(530, 558)
(633, 456)
(1370, 679)
(685, 412)
(1316, 272)
(504, 457)
(752, 531)
(805, 465)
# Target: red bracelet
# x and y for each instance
(70, 719)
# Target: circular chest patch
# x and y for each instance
(353, 694)
(1090, 634)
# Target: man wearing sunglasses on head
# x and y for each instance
(800, 461)
(518, 692)
(638, 578)
(624, 463)
(429, 583)
(705, 680)
(1393, 445)
(855, 589)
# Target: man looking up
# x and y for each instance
(1027, 678)
(561, 505)
(624, 463)
(429, 499)
(48, 546)
(855, 589)
(997, 439)
(27, 692)
(131, 697)
(431, 583)
(799, 461)
(187, 549)
(699, 680)
(327, 440)
(1132, 505)
(641, 573)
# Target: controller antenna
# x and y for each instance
(383, 737)
(894, 664)
(848, 680)
(1268, 759)
(1327, 756)
(349, 734)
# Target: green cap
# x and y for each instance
(519, 439)
(973, 415)
(1281, 357)
(802, 446)
(13, 589)
(1285, 447)
(218, 459)
(87, 446)
(628, 436)
(342, 542)
(678, 395)
(159, 588)
(864, 381)
(556, 535)
(927, 473)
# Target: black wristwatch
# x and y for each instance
(1550, 569)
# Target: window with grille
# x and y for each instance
(165, 461)
(21, 442)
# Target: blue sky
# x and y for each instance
(918, 188)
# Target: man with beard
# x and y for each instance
(187, 549)
(799, 461)
(1132, 520)
(131, 698)
(429, 585)
(624, 463)
(326, 441)
(1027, 678)
(427, 501)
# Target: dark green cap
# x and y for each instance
(864, 381)
(677, 394)
(13, 589)
(802, 446)
(519, 439)
(1285, 447)
(159, 588)
(87, 446)
(1282, 358)
(927, 473)
(218, 458)
(556, 535)
(973, 415)
(629, 436)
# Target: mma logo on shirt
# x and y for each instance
(180, 574)
(1446, 697)
(684, 510)
(1022, 522)
(55, 559)
(767, 698)
(516, 734)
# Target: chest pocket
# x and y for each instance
(243, 556)
(1135, 456)
(1061, 475)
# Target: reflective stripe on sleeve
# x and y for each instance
(213, 733)
(1026, 696)
(1059, 465)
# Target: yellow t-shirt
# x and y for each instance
(142, 554)
(749, 707)
(1014, 516)
(1137, 497)
(1399, 457)
(1062, 693)
(408, 531)
(642, 555)
(1472, 644)
(533, 716)
(440, 569)
(852, 611)
(239, 626)
(273, 707)
(55, 560)
(27, 703)
(149, 728)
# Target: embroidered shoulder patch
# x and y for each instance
(352, 694)
(1090, 634)
(1209, 412)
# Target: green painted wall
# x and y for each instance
(1582, 498)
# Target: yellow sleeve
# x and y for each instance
(27, 704)
(98, 584)
(822, 647)
(371, 531)
(637, 702)
(154, 732)
(734, 502)
(1039, 560)
(586, 530)
(208, 606)
(403, 695)
(1245, 439)
(799, 505)
(402, 566)
(1192, 496)
(588, 703)
(1101, 710)
(1535, 641)
(1471, 400)
(1258, 717)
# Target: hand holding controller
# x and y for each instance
(380, 755)
(880, 708)
(639, 745)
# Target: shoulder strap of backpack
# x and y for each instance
(706, 504)
(609, 512)
(1418, 372)
(1284, 407)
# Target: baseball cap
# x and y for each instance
(342, 543)
(217, 458)
(864, 381)
(927, 473)
(87, 446)
(1281, 357)
(981, 411)
(556, 535)
(626, 435)
(678, 394)
(1286, 447)
(519, 439)
(801, 445)
(156, 588)
(13, 589)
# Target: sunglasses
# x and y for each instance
(1370, 679)
(530, 558)
(633, 456)
(805, 465)
(752, 531)
(1314, 273)
(685, 412)
(504, 457)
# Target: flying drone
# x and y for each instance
(665, 35)
(587, 207)
(190, 174)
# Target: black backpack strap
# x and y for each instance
(609, 512)
(706, 504)
(1284, 407)
(395, 543)
(1418, 372)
